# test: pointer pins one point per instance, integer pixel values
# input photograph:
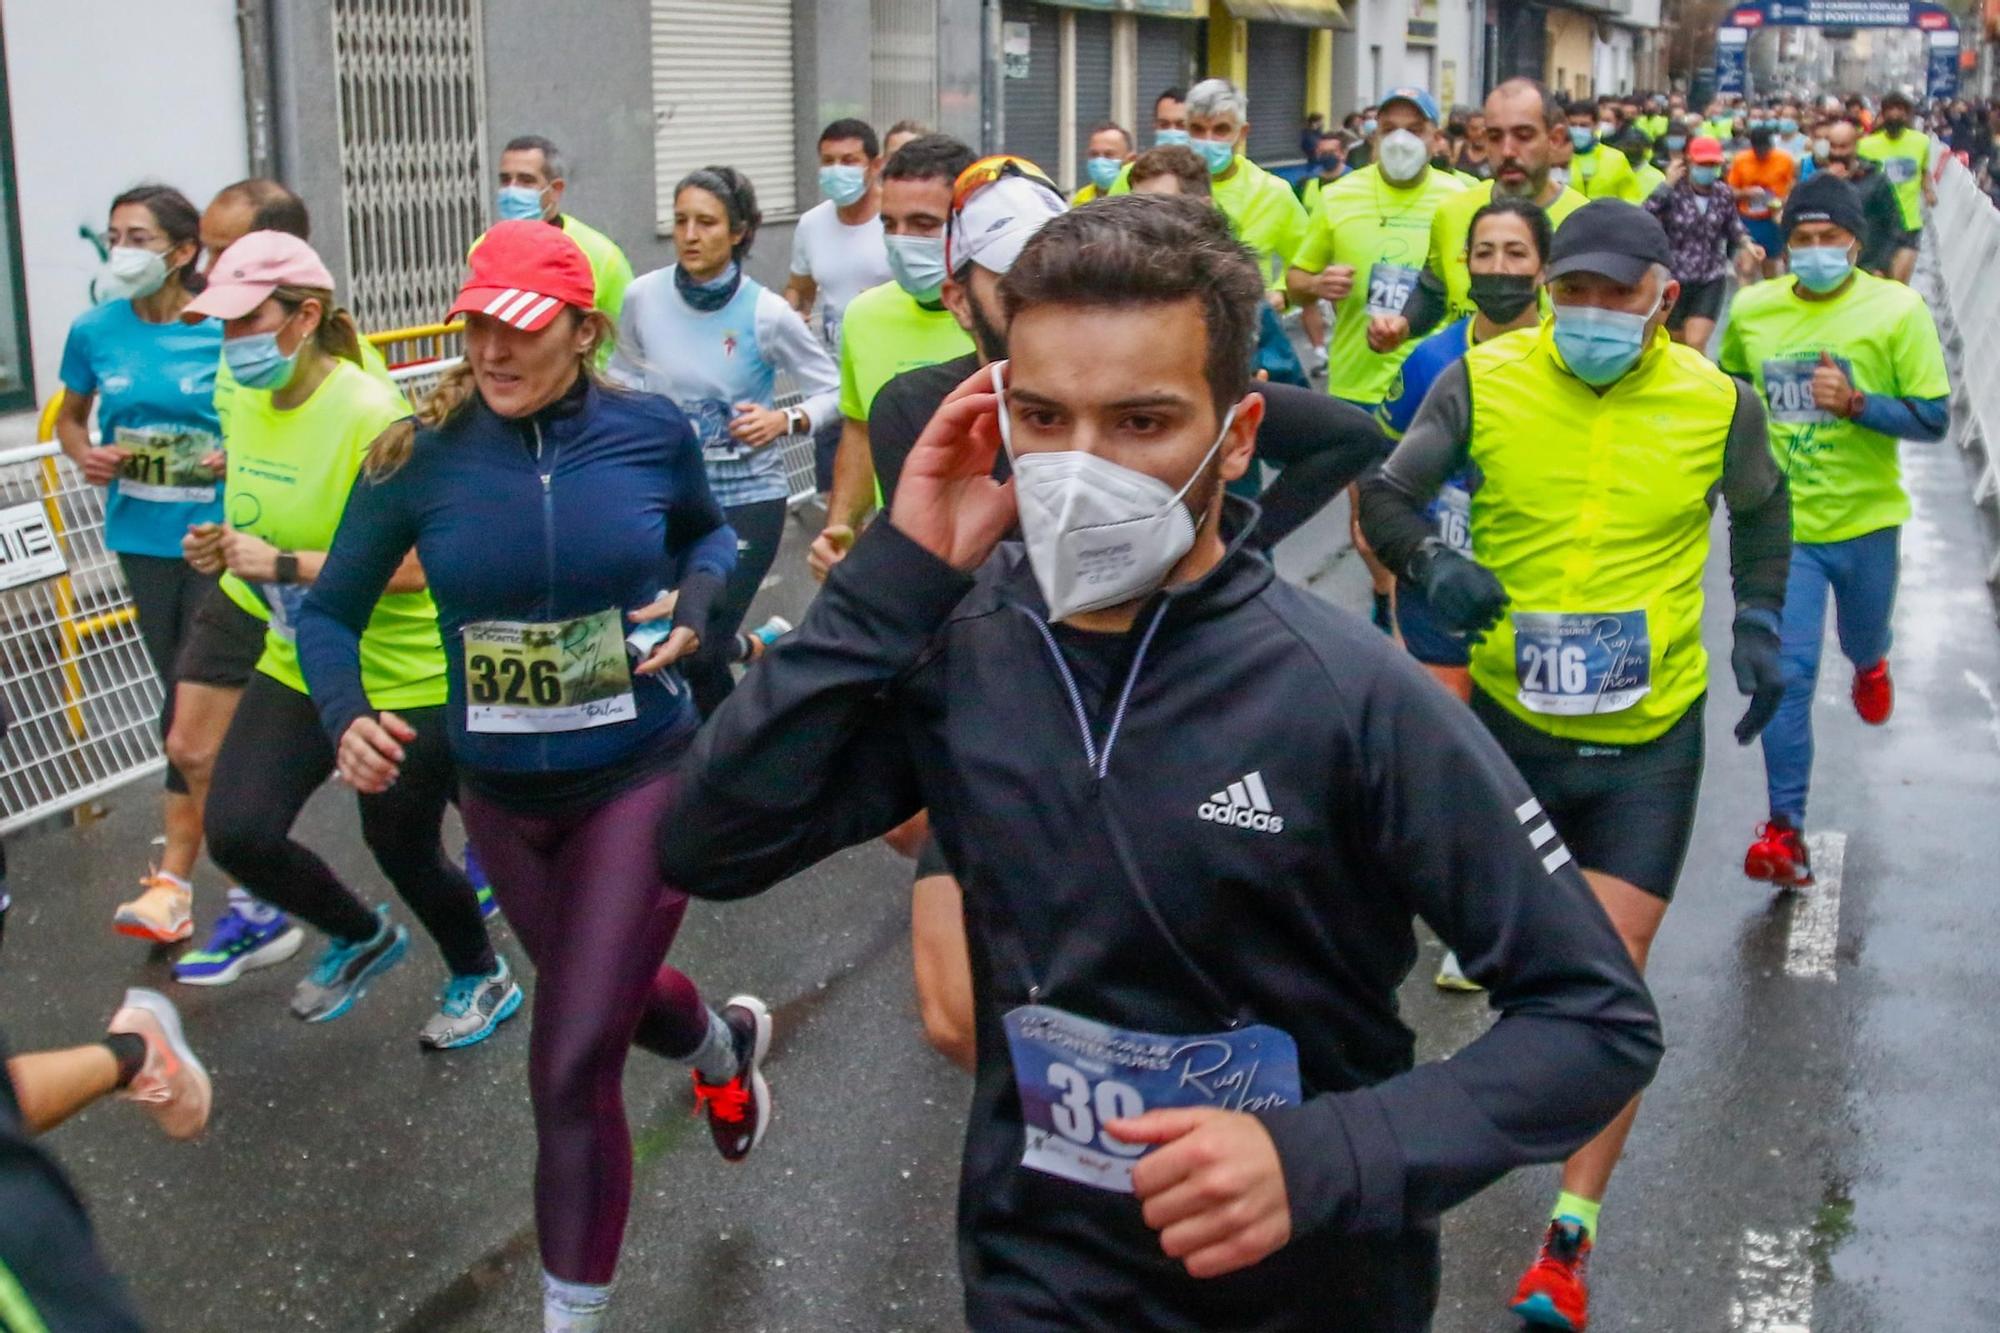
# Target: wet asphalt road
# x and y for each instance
(1817, 1153)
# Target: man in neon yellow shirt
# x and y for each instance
(1595, 170)
(531, 186)
(1600, 446)
(1905, 156)
(898, 326)
(1850, 364)
(1366, 245)
(1109, 158)
(1262, 209)
(1524, 126)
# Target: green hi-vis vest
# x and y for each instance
(1594, 509)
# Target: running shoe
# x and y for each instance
(739, 1108)
(163, 912)
(481, 884)
(342, 974)
(238, 944)
(1874, 693)
(172, 1084)
(1452, 977)
(1779, 855)
(470, 1008)
(1555, 1291)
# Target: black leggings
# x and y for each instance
(759, 529)
(166, 593)
(272, 761)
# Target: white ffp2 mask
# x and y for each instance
(1097, 534)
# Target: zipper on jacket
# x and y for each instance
(548, 540)
(1100, 762)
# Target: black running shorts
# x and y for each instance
(1624, 810)
(1698, 300)
(221, 648)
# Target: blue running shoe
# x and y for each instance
(470, 1008)
(476, 872)
(342, 974)
(239, 943)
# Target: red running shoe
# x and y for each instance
(1874, 693)
(1779, 855)
(1555, 1291)
(739, 1108)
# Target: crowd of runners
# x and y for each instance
(1158, 801)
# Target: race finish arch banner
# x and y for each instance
(1740, 23)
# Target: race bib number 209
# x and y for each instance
(1075, 1075)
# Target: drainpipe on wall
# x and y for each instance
(253, 25)
(992, 80)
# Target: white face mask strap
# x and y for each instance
(1000, 391)
(1228, 418)
(1007, 430)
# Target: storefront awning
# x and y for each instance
(1301, 13)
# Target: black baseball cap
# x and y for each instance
(1621, 241)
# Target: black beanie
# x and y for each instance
(1825, 197)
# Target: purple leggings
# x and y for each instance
(585, 898)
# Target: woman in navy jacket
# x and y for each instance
(548, 510)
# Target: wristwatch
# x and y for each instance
(795, 421)
(287, 570)
(1855, 402)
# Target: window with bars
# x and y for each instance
(722, 95)
(412, 135)
(902, 62)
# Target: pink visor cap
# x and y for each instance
(246, 274)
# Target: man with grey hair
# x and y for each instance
(533, 177)
(1266, 214)
(1601, 445)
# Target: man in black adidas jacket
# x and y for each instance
(1193, 827)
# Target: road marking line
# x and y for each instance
(1816, 916)
(1774, 1283)
(1985, 691)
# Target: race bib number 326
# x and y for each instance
(1075, 1075)
(566, 675)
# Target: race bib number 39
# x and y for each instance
(1568, 665)
(1075, 1074)
(164, 465)
(566, 675)
(1389, 286)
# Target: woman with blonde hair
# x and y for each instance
(548, 510)
(300, 423)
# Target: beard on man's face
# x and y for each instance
(990, 337)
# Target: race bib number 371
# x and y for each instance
(1075, 1074)
(566, 675)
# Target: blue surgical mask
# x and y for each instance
(843, 184)
(519, 203)
(1368, 127)
(1599, 345)
(917, 264)
(1217, 153)
(1581, 139)
(1170, 138)
(1104, 171)
(1704, 175)
(256, 362)
(1820, 268)
(1676, 142)
(1788, 126)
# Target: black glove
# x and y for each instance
(1760, 670)
(1464, 593)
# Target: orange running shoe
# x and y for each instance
(163, 912)
(1555, 1291)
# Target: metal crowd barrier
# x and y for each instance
(1962, 252)
(82, 693)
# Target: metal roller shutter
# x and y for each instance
(1034, 104)
(1277, 91)
(1166, 60)
(722, 93)
(902, 62)
(1093, 81)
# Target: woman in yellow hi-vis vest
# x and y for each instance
(1599, 446)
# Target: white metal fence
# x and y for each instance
(83, 694)
(1962, 259)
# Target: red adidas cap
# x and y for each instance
(523, 272)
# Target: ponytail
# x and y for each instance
(337, 334)
(739, 202)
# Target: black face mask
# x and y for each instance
(1501, 297)
(1442, 161)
